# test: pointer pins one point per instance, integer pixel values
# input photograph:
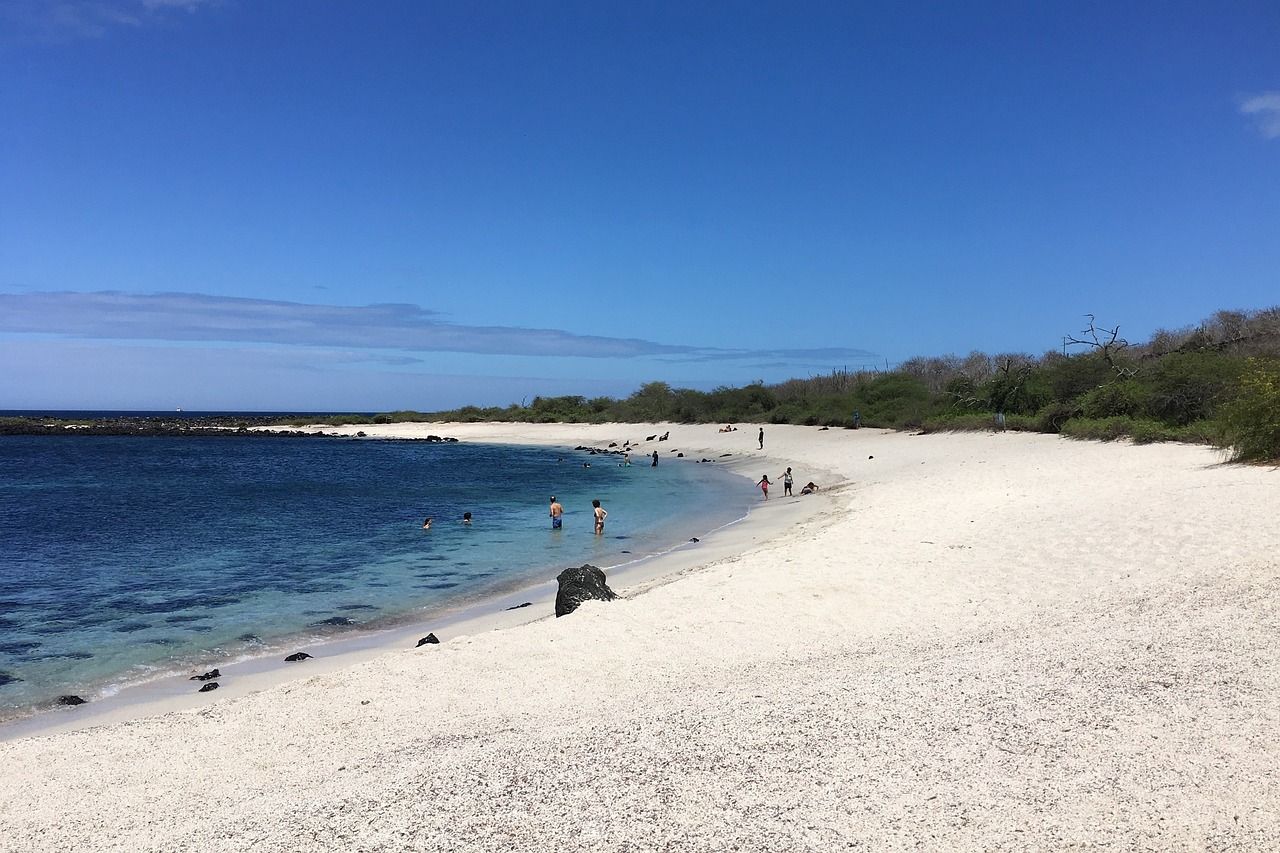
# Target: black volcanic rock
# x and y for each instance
(337, 621)
(583, 583)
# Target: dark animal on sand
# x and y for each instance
(212, 685)
(297, 656)
(650, 437)
(695, 539)
(429, 640)
(613, 444)
(664, 436)
(518, 606)
(70, 700)
(213, 673)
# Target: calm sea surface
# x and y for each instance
(125, 558)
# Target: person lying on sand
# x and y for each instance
(809, 488)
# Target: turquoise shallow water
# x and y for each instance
(123, 558)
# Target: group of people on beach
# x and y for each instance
(788, 481)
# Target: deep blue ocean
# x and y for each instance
(124, 558)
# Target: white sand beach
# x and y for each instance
(968, 641)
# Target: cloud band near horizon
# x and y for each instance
(190, 317)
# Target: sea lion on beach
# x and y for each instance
(70, 700)
(212, 685)
(650, 437)
(430, 639)
(297, 656)
(518, 606)
(213, 673)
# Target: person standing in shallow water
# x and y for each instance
(655, 460)
(762, 438)
(600, 513)
(556, 513)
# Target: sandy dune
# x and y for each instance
(968, 642)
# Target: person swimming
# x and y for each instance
(466, 517)
(426, 525)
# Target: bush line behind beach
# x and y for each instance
(1215, 383)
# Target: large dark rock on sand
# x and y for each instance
(584, 583)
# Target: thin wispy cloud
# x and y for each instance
(192, 317)
(72, 20)
(1264, 109)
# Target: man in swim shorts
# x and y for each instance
(557, 513)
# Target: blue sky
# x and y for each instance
(337, 206)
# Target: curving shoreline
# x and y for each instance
(987, 641)
(254, 667)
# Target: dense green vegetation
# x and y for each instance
(1217, 382)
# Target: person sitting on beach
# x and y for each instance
(466, 517)
(557, 513)
(809, 488)
(426, 525)
(764, 485)
(600, 513)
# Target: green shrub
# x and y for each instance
(1123, 398)
(1098, 429)
(1051, 418)
(1250, 424)
(1189, 386)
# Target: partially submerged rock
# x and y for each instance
(583, 583)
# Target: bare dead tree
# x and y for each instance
(1106, 342)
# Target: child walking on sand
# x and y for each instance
(764, 485)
